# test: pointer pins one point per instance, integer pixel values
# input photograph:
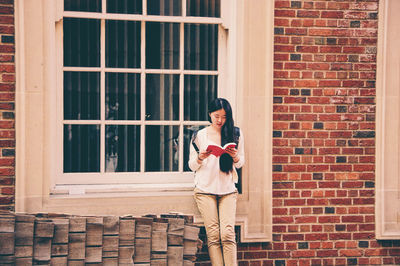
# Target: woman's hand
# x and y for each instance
(203, 155)
(233, 152)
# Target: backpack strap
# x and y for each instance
(236, 135)
(194, 136)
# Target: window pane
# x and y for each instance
(162, 151)
(122, 148)
(162, 45)
(82, 5)
(123, 43)
(81, 95)
(199, 91)
(187, 136)
(201, 47)
(122, 96)
(124, 6)
(164, 7)
(203, 8)
(162, 97)
(81, 148)
(81, 42)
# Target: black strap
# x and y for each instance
(193, 139)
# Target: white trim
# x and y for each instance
(173, 19)
(20, 107)
(387, 180)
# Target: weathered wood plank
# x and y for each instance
(94, 231)
(24, 261)
(94, 254)
(77, 224)
(111, 225)
(159, 262)
(159, 241)
(110, 243)
(76, 246)
(44, 228)
(7, 224)
(7, 243)
(190, 247)
(125, 255)
(110, 261)
(142, 250)
(58, 261)
(175, 256)
(126, 232)
(42, 249)
(7, 259)
(24, 233)
(143, 227)
(191, 232)
(61, 229)
(23, 251)
(59, 250)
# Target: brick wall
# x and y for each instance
(7, 98)
(323, 145)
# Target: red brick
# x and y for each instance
(332, 14)
(285, 13)
(327, 253)
(282, 4)
(278, 254)
(308, 14)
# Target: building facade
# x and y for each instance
(313, 84)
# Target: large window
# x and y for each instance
(137, 76)
(117, 87)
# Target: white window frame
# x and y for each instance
(175, 180)
(249, 77)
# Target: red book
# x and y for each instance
(218, 150)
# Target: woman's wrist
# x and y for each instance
(198, 159)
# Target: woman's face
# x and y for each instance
(218, 118)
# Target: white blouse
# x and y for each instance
(208, 177)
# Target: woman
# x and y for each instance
(215, 179)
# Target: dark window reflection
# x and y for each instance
(124, 6)
(162, 150)
(201, 47)
(81, 42)
(122, 148)
(81, 95)
(203, 8)
(123, 44)
(162, 97)
(162, 45)
(164, 7)
(199, 90)
(82, 5)
(81, 148)
(122, 96)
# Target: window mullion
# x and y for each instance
(181, 92)
(102, 92)
(183, 8)
(142, 92)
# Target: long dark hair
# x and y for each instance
(227, 131)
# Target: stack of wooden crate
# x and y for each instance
(58, 239)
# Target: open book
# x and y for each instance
(218, 150)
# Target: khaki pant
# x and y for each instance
(219, 213)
